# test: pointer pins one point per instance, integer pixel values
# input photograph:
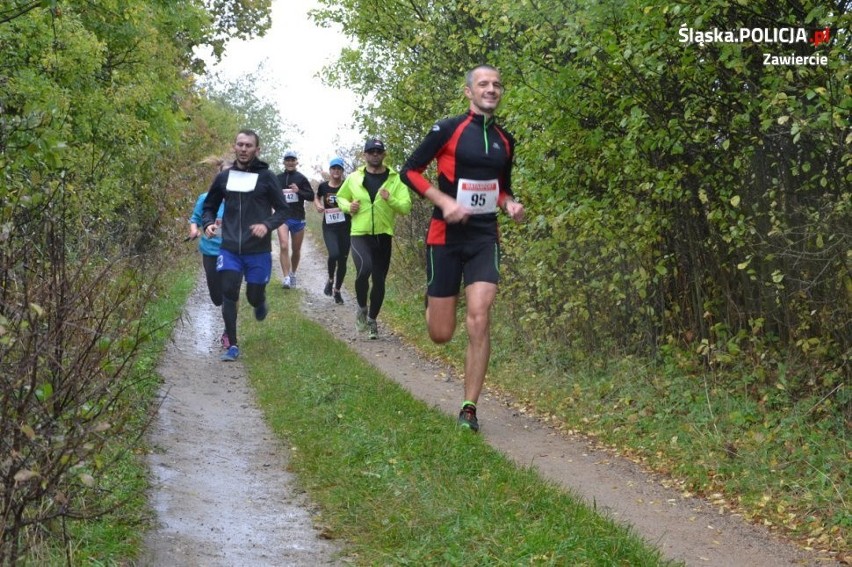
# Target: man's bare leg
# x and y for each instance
(441, 318)
(284, 249)
(296, 245)
(480, 296)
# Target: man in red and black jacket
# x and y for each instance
(474, 158)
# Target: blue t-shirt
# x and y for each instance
(207, 246)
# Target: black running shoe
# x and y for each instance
(467, 418)
(327, 289)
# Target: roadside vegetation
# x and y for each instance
(110, 522)
(102, 135)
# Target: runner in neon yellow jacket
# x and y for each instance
(374, 216)
(373, 195)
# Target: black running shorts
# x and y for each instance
(446, 265)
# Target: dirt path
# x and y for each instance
(223, 496)
(222, 493)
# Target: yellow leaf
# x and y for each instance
(25, 475)
(28, 431)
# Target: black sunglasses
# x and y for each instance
(374, 152)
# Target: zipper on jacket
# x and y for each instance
(373, 214)
(372, 204)
(485, 124)
(372, 210)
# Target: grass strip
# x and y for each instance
(396, 479)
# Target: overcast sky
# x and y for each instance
(294, 51)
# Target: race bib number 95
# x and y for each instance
(477, 195)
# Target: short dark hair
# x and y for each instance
(249, 132)
(468, 78)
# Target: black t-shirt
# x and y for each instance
(374, 181)
(328, 196)
(296, 209)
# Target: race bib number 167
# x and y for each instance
(333, 216)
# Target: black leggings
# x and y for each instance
(231, 282)
(337, 242)
(214, 280)
(371, 256)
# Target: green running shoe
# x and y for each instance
(361, 321)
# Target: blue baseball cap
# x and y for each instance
(290, 154)
(336, 162)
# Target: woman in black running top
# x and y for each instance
(335, 229)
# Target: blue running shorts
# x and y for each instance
(257, 268)
(295, 225)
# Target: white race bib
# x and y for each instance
(241, 181)
(291, 196)
(334, 216)
(480, 196)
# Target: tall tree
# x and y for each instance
(256, 111)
